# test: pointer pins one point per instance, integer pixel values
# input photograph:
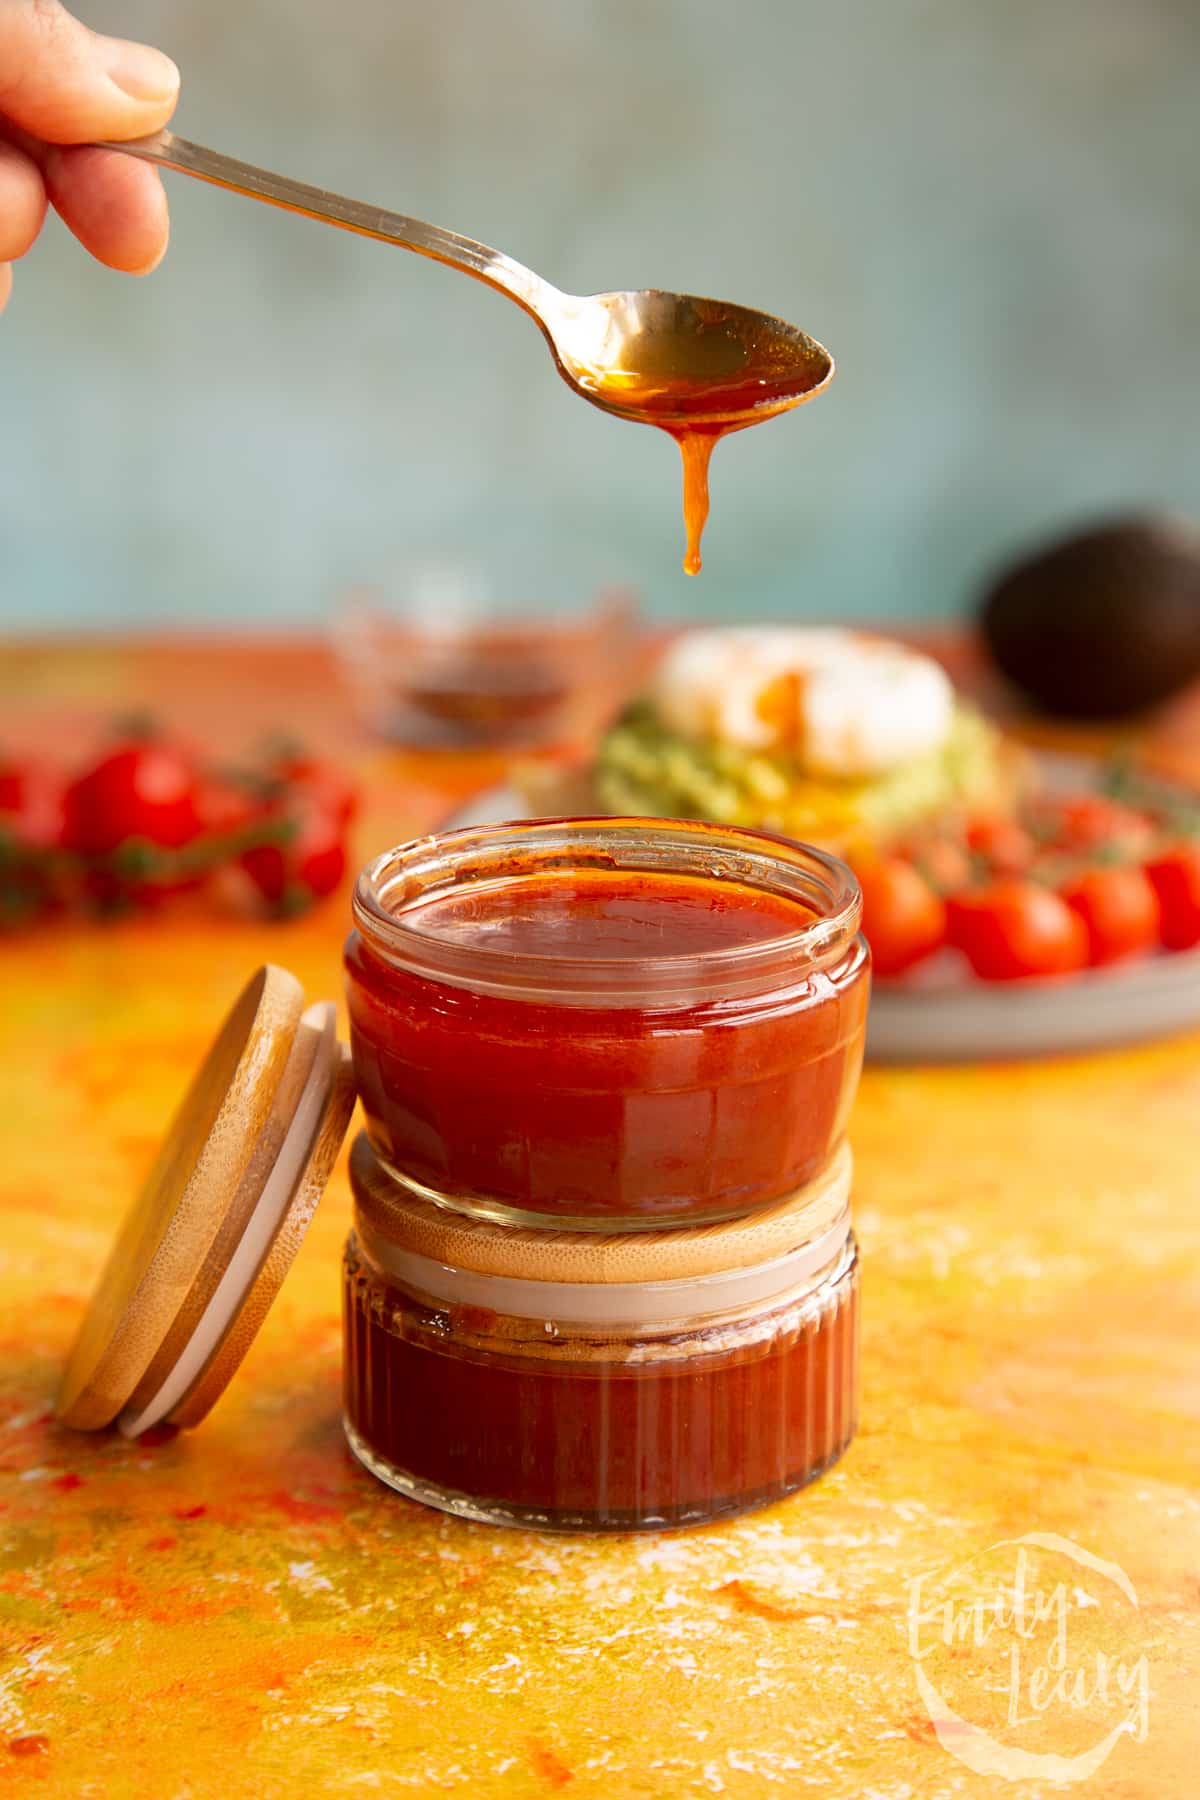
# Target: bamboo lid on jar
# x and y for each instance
(395, 1217)
(207, 1242)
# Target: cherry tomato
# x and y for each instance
(143, 790)
(319, 855)
(1089, 821)
(904, 919)
(1010, 929)
(267, 867)
(306, 867)
(943, 861)
(13, 780)
(31, 805)
(1119, 908)
(1005, 846)
(226, 808)
(319, 785)
(1176, 880)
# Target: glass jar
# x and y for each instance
(606, 1023)
(485, 1376)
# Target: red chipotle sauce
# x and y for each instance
(573, 1041)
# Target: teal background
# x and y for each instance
(990, 212)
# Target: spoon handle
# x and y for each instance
(491, 266)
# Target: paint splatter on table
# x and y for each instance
(243, 1612)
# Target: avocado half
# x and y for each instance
(1101, 624)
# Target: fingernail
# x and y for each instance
(139, 70)
(149, 267)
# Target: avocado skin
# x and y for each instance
(1101, 624)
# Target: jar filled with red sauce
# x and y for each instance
(567, 1382)
(606, 1023)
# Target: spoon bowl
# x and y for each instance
(684, 363)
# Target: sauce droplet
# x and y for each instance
(696, 448)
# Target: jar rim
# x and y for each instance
(778, 865)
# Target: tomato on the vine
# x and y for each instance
(903, 919)
(1011, 929)
(145, 822)
(1175, 876)
(140, 790)
(1119, 908)
(304, 866)
(1092, 822)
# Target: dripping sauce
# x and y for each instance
(746, 382)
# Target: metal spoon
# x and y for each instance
(686, 364)
(697, 368)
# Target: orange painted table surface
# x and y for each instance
(242, 1612)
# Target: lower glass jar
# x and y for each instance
(566, 1383)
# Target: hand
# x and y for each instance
(61, 88)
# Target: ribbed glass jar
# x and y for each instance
(603, 1405)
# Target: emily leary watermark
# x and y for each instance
(1025, 1659)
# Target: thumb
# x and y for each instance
(67, 85)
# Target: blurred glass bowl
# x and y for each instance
(448, 659)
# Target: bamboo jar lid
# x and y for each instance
(405, 1221)
(207, 1242)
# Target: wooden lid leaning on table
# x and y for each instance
(206, 1244)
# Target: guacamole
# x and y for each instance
(643, 768)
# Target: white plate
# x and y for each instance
(946, 1017)
(940, 1015)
